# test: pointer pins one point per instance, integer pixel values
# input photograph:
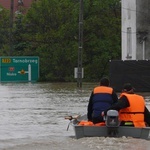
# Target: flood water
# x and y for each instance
(31, 112)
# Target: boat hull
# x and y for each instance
(105, 131)
(96, 131)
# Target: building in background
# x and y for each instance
(135, 29)
(20, 6)
(134, 66)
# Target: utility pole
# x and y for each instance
(79, 73)
(11, 27)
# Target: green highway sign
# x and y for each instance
(19, 69)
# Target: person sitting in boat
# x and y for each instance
(102, 97)
(131, 107)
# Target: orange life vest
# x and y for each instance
(103, 89)
(135, 112)
(89, 123)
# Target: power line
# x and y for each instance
(134, 10)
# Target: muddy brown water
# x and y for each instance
(32, 117)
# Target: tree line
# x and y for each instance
(50, 30)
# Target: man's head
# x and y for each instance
(128, 88)
(104, 81)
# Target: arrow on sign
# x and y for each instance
(24, 72)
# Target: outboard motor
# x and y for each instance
(112, 122)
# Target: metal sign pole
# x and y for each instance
(79, 74)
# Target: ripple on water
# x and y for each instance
(37, 110)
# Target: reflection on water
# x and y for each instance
(35, 110)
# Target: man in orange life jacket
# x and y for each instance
(102, 97)
(131, 107)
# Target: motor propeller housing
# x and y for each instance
(112, 123)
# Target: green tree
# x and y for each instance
(4, 31)
(102, 35)
(19, 44)
(52, 31)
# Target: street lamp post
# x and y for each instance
(79, 73)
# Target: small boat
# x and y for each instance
(111, 128)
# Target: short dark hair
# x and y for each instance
(127, 87)
(104, 81)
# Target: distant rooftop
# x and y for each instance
(19, 5)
